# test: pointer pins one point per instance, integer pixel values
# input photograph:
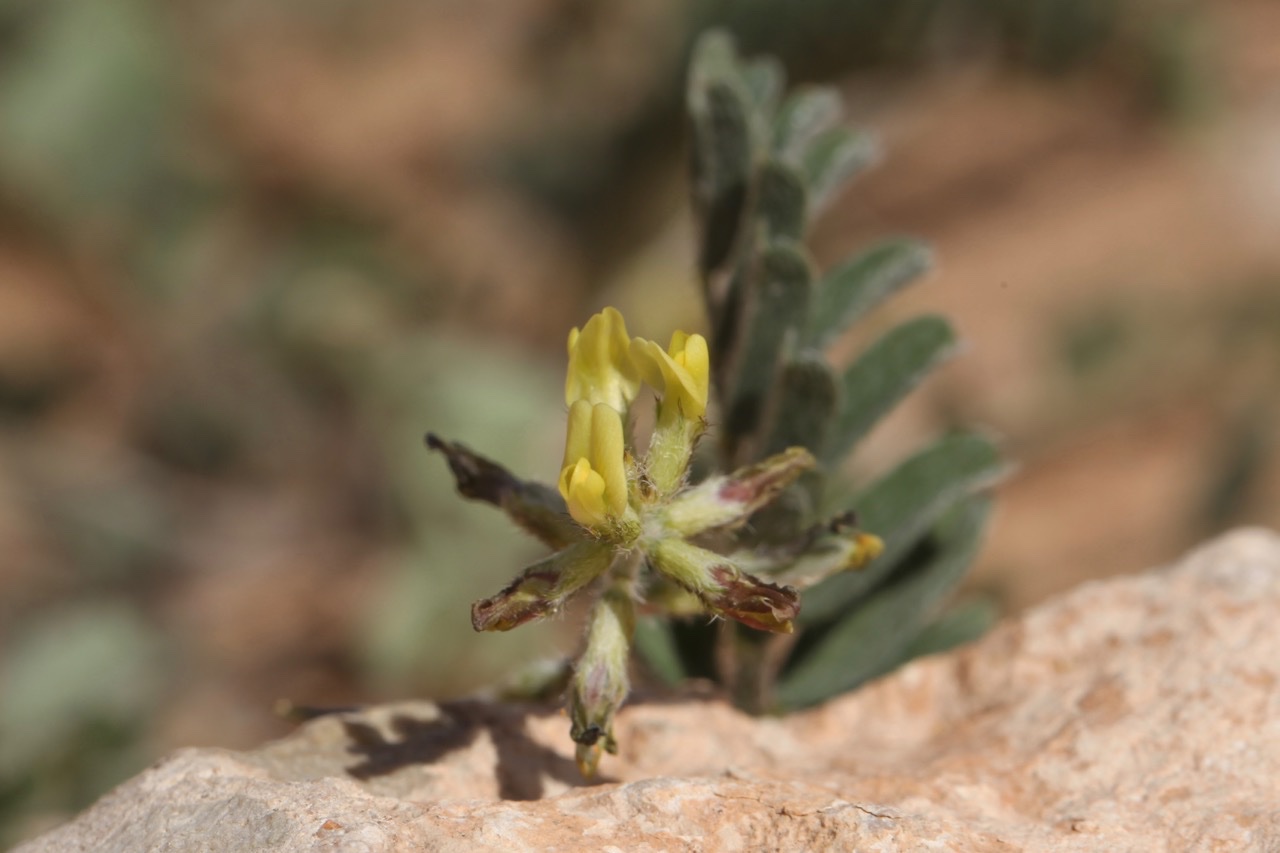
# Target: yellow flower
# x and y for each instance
(600, 367)
(593, 480)
(681, 374)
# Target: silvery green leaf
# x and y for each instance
(847, 293)
(832, 159)
(900, 508)
(775, 303)
(655, 643)
(781, 201)
(764, 79)
(804, 405)
(876, 633)
(804, 115)
(889, 370)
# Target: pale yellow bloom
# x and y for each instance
(681, 374)
(583, 490)
(600, 366)
(593, 480)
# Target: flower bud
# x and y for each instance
(593, 481)
(600, 682)
(828, 556)
(600, 366)
(723, 588)
(542, 588)
(730, 499)
(681, 375)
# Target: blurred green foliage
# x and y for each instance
(1132, 351)
(265, 347)
(77, 693)
(87, 101)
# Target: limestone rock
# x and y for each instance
(1140, 713)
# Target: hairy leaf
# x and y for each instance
(721, 170)
(803, 116)
(875, 634)
(657, 645)
(958, 624)
(884, 374)
(901, 507)
(801, 410)
(804, 404)
(764, 79)
(832, 158)
(714, 54)
(781, 201)
(775, 304)
(847, 293)
(725, 320)
(720, 108)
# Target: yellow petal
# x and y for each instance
(607, 456)
(577, 439)
(647, 357)
(692, 354)
(681, 375)
(583, 492)
(600, 370)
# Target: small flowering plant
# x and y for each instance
(727, 551)
(629, 528)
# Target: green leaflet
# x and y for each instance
(713, 53)
(801, 409)
(959, 624)
(901, 507)
(775, 301)
(802, 117)
(721, 116)
(875, 634)
(725, 310)
(721, 169)
(847, 293)
(657, 645)
(884, 374)
(781, 201)
(764, 79)
(831, 159)
(804, 405)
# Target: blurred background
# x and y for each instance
(251, 251)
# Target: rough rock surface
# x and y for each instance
(1140, 713)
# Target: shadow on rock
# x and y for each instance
(521, 762)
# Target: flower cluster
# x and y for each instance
(633, 521)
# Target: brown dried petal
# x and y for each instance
(731, 499)
(753, 602)
(755, 485)
(537, 508)
(723, 588)
(542, 588)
